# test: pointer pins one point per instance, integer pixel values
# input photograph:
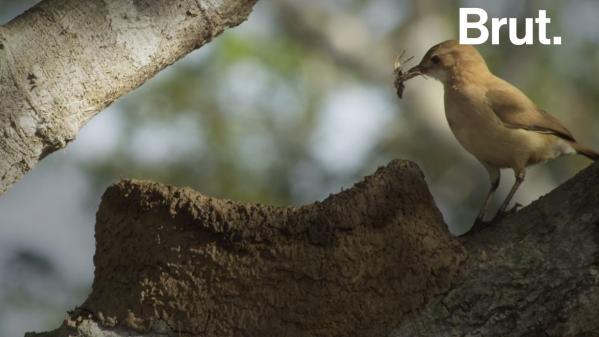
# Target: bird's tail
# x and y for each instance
(585, 151)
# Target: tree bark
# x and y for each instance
(374, 260)
(63, 61)
(534, 274)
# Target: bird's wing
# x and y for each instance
(516, 111)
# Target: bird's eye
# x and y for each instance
(436, 59)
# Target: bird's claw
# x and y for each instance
(478, 222)
(502, 214)
(499, 216)
(515, 208)
(478, 225)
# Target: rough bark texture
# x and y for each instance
(534, 274)
(375, 260)
(172, 260)
(63, 61)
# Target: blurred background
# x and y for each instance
(294, 104)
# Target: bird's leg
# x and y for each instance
(519, 179)
(494, 176)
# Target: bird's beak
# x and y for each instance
(417, 70)
(411, 73)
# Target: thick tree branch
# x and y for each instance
(534, 274)
(374, 260)
(63, 61)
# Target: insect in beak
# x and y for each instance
(400, 75)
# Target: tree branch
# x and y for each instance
(63, 61)
(374, 260)
(534, 274)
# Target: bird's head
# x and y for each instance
(447, 59)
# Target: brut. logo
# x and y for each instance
(516, 37)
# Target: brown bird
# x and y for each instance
(494, 120)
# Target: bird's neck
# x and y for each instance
(460, 77)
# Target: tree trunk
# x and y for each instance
(63, 61)
(374, 260)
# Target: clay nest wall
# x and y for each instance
(352, 265)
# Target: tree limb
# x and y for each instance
(374, 260)
(63, 61)
(534, 274)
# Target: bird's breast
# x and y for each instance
(470, 119)
(479, 130)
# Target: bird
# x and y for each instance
(494, 120)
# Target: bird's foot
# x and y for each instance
(479, 224)
(502, 214)
(499, 216)
(515, 208)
